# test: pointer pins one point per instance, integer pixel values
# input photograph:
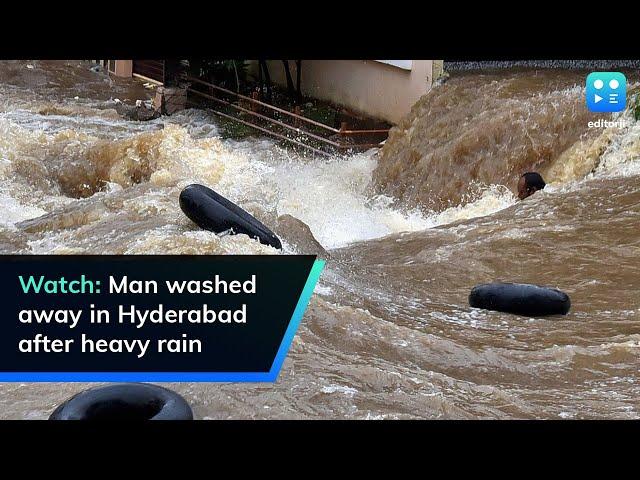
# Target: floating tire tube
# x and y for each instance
(126, 401)
(213, 212)
(520, 298)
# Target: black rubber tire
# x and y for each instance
(520, 298)
(213, 212)
(125, 401)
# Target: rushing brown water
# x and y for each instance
(489, 128)
(389, 333)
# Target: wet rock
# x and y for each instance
(298, 234)
(139, 112)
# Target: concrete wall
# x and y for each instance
(124, 68)
(367, 86)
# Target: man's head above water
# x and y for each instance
(529, 184)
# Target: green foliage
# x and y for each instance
(231, 74)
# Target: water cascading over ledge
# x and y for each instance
(481, 129)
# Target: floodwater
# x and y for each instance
(388, 333)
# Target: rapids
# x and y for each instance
(409, 231)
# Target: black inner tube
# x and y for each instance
(127, 401)
(213, 212)
(520, 298)
(119, 409)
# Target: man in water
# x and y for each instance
(529, 184)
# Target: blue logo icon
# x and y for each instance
(606, 92)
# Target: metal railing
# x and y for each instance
(151, 69)
(342, 138)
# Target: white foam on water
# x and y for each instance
(14, 212)
(323, 290)
(493, 199)
(622, 157)
(333, 197)
(348, 391)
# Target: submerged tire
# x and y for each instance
(126, 401)
(520, 298)
(215, 213)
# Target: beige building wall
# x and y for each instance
(123, 68)
(120, 68)
(367, 86)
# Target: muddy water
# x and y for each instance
(388, 333)
(487, 128)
